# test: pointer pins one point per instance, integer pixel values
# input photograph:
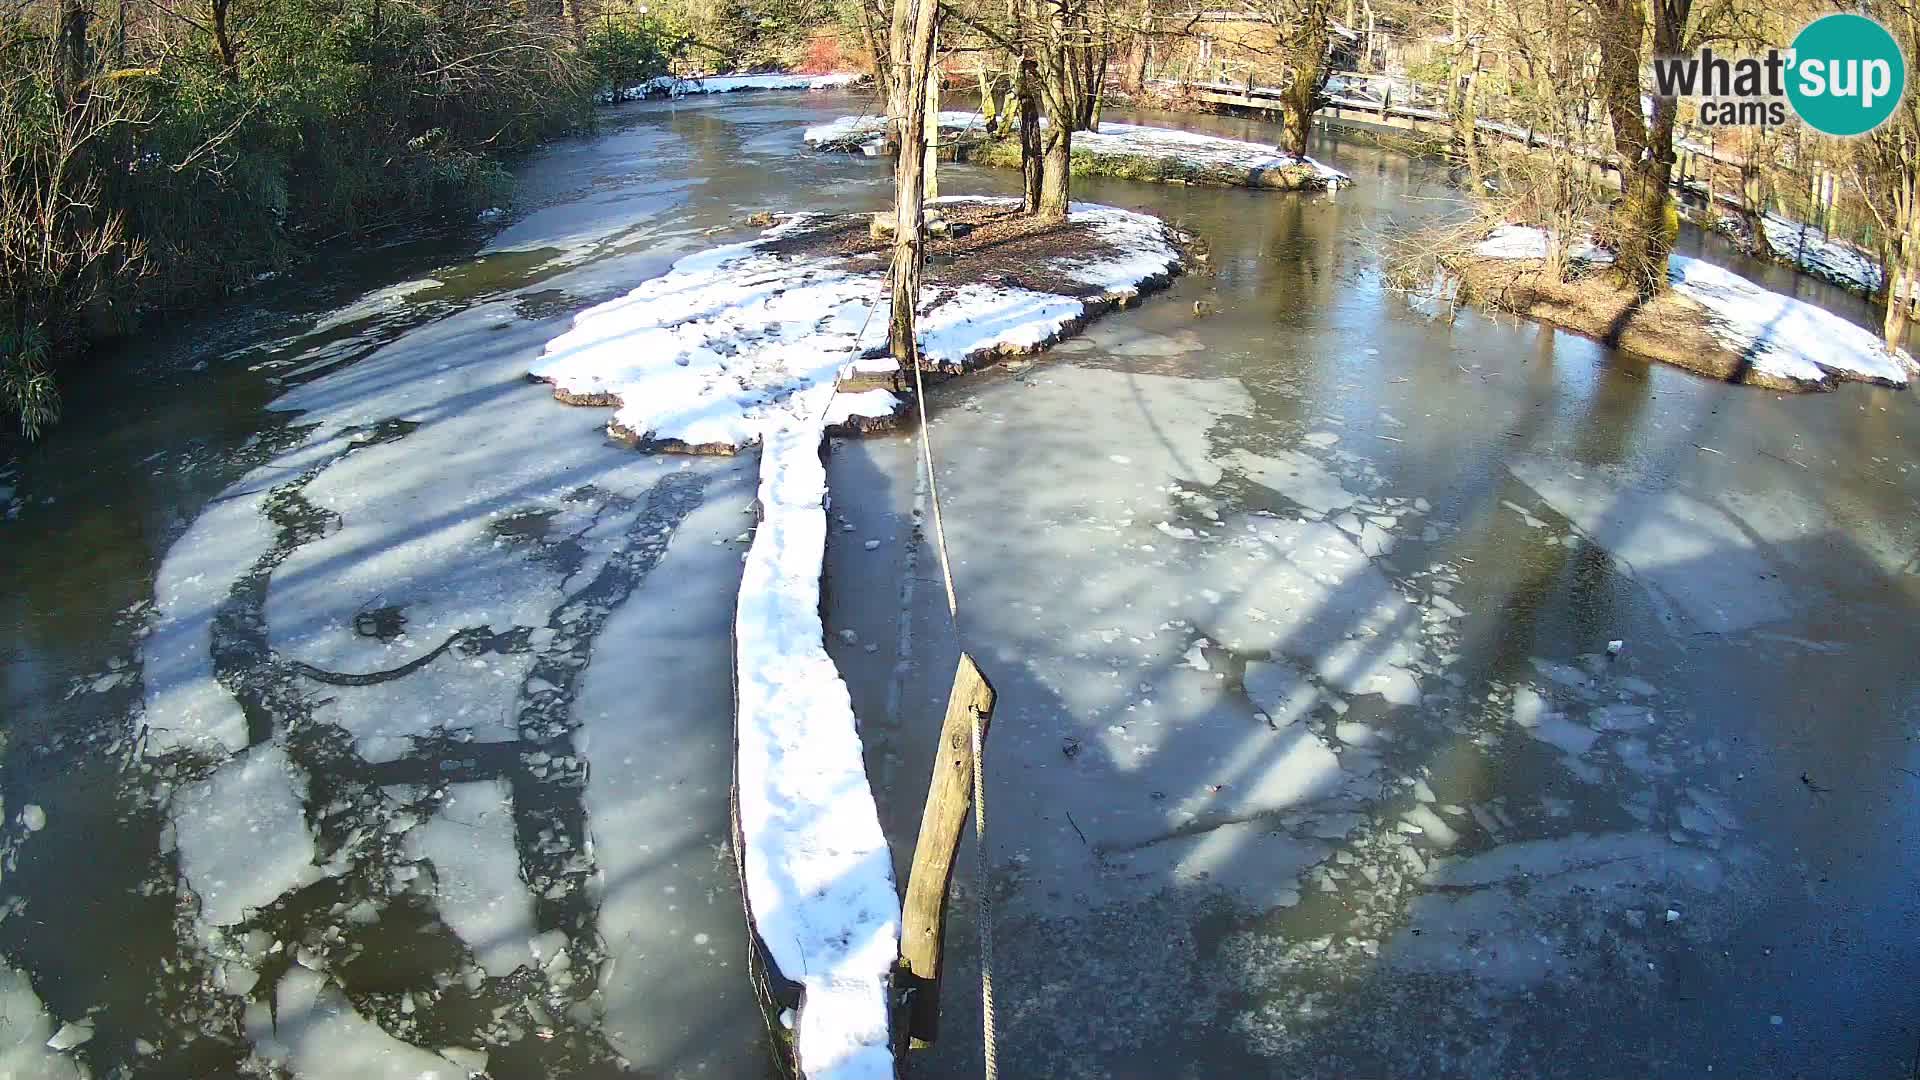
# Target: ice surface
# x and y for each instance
(25, 1028)
(660, 750)
(186, 708)
(1300, 478)
(242, 835)
(314, 1033)
(1697, 555)
(477, 873)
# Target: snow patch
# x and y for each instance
(742, 344)
(1783, 336)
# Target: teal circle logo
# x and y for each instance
(1848, 74)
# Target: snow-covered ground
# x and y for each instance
(1784, 336)
(1781, 336)
(1821, 256)
(1129, 140)
(674, 86)
(745, 344)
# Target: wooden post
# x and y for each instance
(949, 799)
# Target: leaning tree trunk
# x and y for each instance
(909, 253)
(1142, 46)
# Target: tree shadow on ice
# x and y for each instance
(1501, 939)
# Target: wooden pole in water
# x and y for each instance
(949, 800)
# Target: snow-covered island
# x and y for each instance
(1127, 151)
(1711, 320)
(778, 341)
(674, 86)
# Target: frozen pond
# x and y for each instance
(388, 733)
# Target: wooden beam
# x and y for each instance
(949, 799)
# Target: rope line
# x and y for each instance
(984, 899)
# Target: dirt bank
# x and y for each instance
(1669, 327)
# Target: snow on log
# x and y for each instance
(745, 344)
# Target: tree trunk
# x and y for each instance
(990, 102)
(74, 58)
(1306, 60)
(1645, 150)
(1030, 147)
(876, 57)
(931, 186)
(1466, 121)
(1059, 90)
(1137, 76)
(229, 61)
(1903, 270)
(916, 29)
(1056, 171)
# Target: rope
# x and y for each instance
(980, 880)
(986, 904)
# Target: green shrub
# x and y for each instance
(321, 119)
(626, 52)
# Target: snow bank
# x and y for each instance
(1129, 140)
(744, 344)
(1781, 336)
(673, 86)
(1835, 260)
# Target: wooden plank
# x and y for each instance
(949, 800)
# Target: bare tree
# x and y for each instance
(1885, 164)
(915, 23)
